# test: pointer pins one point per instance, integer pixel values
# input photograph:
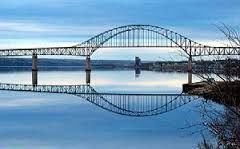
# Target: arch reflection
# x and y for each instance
(137, 105)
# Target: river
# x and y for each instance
(50, 120)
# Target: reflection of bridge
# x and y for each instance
(126, 37)
(124, 104)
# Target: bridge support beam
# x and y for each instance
(88, 77)
(88, 69)
(88, 63)
(190, 70)
(34, 70)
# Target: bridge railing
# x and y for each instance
(129, 36)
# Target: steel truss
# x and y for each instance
(130, 36)
(137, 105)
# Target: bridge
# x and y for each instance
(137, 105)
(129, 36)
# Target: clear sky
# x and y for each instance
(37, 23)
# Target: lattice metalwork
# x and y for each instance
(125, 104)
(67, 89)
(138, 105)
(130, 36)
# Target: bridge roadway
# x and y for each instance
(129, 36)
(87, 51)
(137, 105)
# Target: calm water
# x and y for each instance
(45, 120)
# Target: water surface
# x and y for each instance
(46, 120)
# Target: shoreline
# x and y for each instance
(221, 92)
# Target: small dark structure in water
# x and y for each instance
(137, 63)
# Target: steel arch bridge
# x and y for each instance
(137, 105)
(129, 36)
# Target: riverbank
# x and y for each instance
(20, 64)
(218, 91)
(219, 67)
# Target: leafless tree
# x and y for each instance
(223, 123)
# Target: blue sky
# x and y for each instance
(35, 23)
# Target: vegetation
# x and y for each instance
(223, 123)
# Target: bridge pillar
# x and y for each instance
(34, 70)
(88, 69)
(34, 78)
(88, 63)
(190, 70)
(34, 62)
(88, 77)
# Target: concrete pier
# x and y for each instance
(88, 63)
(34, 78)
(34, 70)
(190, 70)
(34, 63)
(88, 77)
(88, 69)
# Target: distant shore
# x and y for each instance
(72, 64)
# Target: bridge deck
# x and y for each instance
(129, 36)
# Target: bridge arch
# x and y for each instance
(137, 105)
(139, 36)
(106, 40)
